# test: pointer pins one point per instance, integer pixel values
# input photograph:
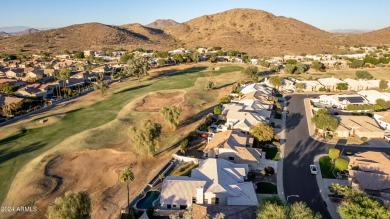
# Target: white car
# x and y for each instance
(313, 169)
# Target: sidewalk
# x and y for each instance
(323, 185)
(279, 171)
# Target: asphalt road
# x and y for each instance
(300, 150)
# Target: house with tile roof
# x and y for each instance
(256, 87)
(35, 90)
(15, 73)
(235, 147)
(361, 126)
(35, 74)
(370, 172)
(330, 83)
(243, 121)
(358, 85)
(215, 181)
(5, 100)
(373, 95)
(311, 85)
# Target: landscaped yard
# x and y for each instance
(271, 153)
(196, 151)
(183, 169)
(21, 147)
(326, 167)
(266, 188)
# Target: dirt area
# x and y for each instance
(95, 172)
(154, 101)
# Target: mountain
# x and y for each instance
(4, 34)
(160, 23)
(349, 31)
(26, 31)
(375, 37)
(88, 36)
(13, 29)
(254, 31)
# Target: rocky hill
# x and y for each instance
(254, 31)
(160, 23)
(88, 36)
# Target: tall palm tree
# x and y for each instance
(127, 176)
(64, 75)
(101, 84)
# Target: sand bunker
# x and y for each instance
(153, 102)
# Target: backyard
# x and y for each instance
(97, 123)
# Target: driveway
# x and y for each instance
(300, 150)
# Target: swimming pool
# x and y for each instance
(147, 201)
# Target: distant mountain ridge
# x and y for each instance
(350, 31)
(256, 32)
(160, 23)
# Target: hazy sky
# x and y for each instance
(325, 14)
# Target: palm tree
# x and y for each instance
(127, 176)
(101, 84)
(57, 78)
(64, 75)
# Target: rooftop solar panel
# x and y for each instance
(356, 99)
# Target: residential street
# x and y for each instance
(300, 150)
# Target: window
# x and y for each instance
(183, 206)
(215, 200)
(169, 206)
(231, 158)
(193, 200)
(206, 155)
(216, 156)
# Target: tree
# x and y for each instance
(125, 58)
(126, 177)
(357, 204)
(383, 84)
(8, 89)
(209, 85)
(301, 68)
(217, 110)
(138, 67)
(299, 210)
(79, 55)
(70, 206)
(161, 62)
(334, 153)
(356, 63)
(271, 208)
(363, 75)
(322, 120)
(252, 72)
(289, 69)
(274, 68)
(299, 86)
(64, 75)
(262, 132)
(213, 57)
(195, 56)
(341, 164)
(342, 86)
(147, 136)
(171, 115)
(101, 84)
(291, 62)
(183, 145)
(275, 81)
(316, 65)
(178, 58)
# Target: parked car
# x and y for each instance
(313, 169)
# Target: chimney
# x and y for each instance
(199, 195)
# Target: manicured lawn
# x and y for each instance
(326, 167)
(266, 188)
(20, 148)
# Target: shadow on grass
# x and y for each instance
(11, 138)
(133, 88)
(15, 153)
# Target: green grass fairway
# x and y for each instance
(18, 149)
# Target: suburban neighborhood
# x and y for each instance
(235, 114)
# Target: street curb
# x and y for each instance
(329, 205)
(280, 185)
